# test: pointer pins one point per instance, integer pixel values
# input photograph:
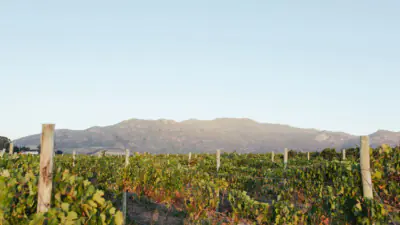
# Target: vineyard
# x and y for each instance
(178, 189)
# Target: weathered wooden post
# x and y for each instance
(218, 165)
(73, 158)
(308, 156)
(126, 157)
(273, 156)
(46, 168)
(218, 159)
(125, 194)
(11, 148)
(344, 154)
(190, 156)
(365, 167)
(285, 157)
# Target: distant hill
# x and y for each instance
(229, 134)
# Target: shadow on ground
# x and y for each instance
(145, 212)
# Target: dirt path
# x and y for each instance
(145, 212)
(148, 213)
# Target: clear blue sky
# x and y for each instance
(331, 65)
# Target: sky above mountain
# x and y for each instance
(311, 64)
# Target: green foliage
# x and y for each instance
(329, 154)
(292, 153)
(4, 143)
(249, 187)
(18, 196)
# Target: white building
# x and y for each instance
(30, 152)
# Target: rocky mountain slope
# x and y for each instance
(229, 134)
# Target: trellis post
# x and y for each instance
(218, 159)
(285, 157)
(11, 148)
(46, 168)
(73, 158)
(365, 167)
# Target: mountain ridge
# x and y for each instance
(193, 135)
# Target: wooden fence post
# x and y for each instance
(11, 148)
(273, 156)
(308, 156)
(73, 158)
(126, 157)
(365, 167)
(285, 157)
(190, 156)
(218, 159)
(218, 165)
(344, 154)
(46, 168)
(125, 194)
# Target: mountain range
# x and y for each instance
(229, 134)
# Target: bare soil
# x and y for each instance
(150, 213)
